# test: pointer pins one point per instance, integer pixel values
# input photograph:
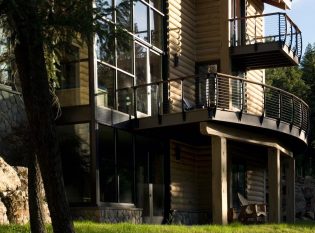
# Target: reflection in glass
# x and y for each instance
(124, 166)
(74, 141)
(156, 3)
(156, 29)
(156, 75)
(105, 45)
(106, 79)
(125, 96)
(125, 53)
(141, 78)
(105, 6)
(123, 13)
(141, 20)
(106, 151)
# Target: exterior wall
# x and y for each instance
(208, 31)
(182, 42)
(255, 160)
(190, 183)
(108, 214)
(254, 27)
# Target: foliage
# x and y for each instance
(288, 79)
(84, 227)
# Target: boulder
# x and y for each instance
(3, 214)
(9, 180)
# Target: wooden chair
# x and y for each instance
(251, 211)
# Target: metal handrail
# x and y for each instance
(219, 91)
(266, 28)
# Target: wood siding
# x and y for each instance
(255, 160)
(190, 177)
(254, 28)
(208, 30)
(181, 41)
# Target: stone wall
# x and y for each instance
(305, 197)
(108, 214)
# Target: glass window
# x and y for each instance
(125, 53)
(116, 170)
(125, 96)
(106, 88)
(105, 46)
(123, 13)
(156, 29)
(141, 20)
(105, 7)
(74, 143)
(156, 3)
(125, 166)
(107, 161)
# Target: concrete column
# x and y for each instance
(274, 185)
(219, 180)
(290, 194)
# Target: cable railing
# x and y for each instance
(213, 91)
(267, 28)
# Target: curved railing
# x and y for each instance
(213, 91)
(273, 27)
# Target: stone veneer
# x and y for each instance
(108, 214)
(183, 217)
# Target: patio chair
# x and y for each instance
(251, 211)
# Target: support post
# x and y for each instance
(290, 194)
(274, 185)
(219, 180)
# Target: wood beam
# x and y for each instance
(219, 180)
(207, 128)
(274, 185)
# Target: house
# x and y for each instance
(171, 123)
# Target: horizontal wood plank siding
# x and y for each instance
(182, 42)
(208, 35)
(190, 177)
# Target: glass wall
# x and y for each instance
(74, 143)
(72, 86)
(128, 166)
(133, 58)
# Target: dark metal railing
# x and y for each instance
(273, 27)
(214, 91)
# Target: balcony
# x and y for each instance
(283, 4)
(215, 97)
(265, 41)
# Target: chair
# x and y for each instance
(251, 211)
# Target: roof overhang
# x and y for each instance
(283, 4)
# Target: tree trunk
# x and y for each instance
(30, 61)
(35, 199)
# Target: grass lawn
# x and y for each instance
(89, 227)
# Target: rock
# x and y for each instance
(9, 180)
(3, 214)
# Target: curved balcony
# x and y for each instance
(265, 41)
(214, 97)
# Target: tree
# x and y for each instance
(288, 79)
(39, 29)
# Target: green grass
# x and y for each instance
(89, 227)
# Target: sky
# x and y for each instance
(302, 14)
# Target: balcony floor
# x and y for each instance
(263, 55)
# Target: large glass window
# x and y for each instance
(73, 78)
(116, 165)
(135, 57)
(74, 143)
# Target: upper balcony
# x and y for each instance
(212, 97)
(265, 41)
(283, 4)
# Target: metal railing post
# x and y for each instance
(135, 102)
(280, 27)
